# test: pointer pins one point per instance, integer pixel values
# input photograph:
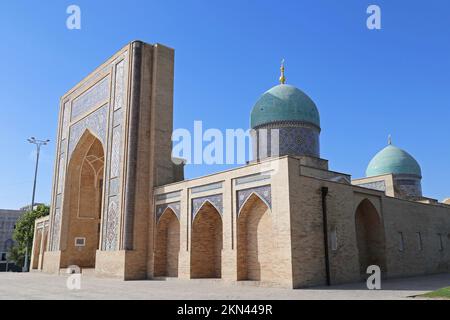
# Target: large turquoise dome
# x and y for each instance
(393, 160)
(284, 103)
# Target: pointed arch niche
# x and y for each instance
(255, 245)
(369, 237)
(207, 242)
(167, 244)
(83, 198)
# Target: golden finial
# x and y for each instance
(282, 77)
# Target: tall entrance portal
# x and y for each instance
(113, 146)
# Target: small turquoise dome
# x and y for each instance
(393, 160)
(284, 103)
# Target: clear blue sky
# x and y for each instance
(365, 83)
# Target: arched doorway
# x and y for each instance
(369, 237)
(83, 198)
(255, 246)
(167, 245)
(206, 244)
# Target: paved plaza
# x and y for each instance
(45, 286)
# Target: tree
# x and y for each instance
(24, 232)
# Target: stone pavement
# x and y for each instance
(45, 286)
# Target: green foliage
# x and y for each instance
(443, 293)
(23, 233)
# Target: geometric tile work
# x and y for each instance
(408, 187)
(375, 185)
(113, 174)
(96, 122)
(293, 138)
(215, 200)
(174, 206)
(264, 192)
(112, 224)
(92, 97)
(55, 230)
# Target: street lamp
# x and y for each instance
(38, 144)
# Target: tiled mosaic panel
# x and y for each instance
(119, 86)
(375, 185)
(111, 220)
(93, 97)
(215, 200)
(295, 141)
(115, 154)
(408, 187)
(56, 230)
(174, 206)
(66, 120)
(61, 173)
(264, 192)
(96, 122)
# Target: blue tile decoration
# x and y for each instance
(215, 200)
(264, 192)
(174, 206)
(408, 187)
(91, 98)
(96, 122)
(375, 185)
(294, 138)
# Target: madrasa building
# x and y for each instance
(122, 208)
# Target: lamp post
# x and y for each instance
(38, 144)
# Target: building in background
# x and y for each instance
(8, 219)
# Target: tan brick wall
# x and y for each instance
(369, 237)
(255, 245)
(411, 218)
(37, 251)
(83, 204)
(167, 246)
(207, 243)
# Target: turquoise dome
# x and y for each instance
(393, 160)
(284, 103)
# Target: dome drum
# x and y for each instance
(286, 140)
